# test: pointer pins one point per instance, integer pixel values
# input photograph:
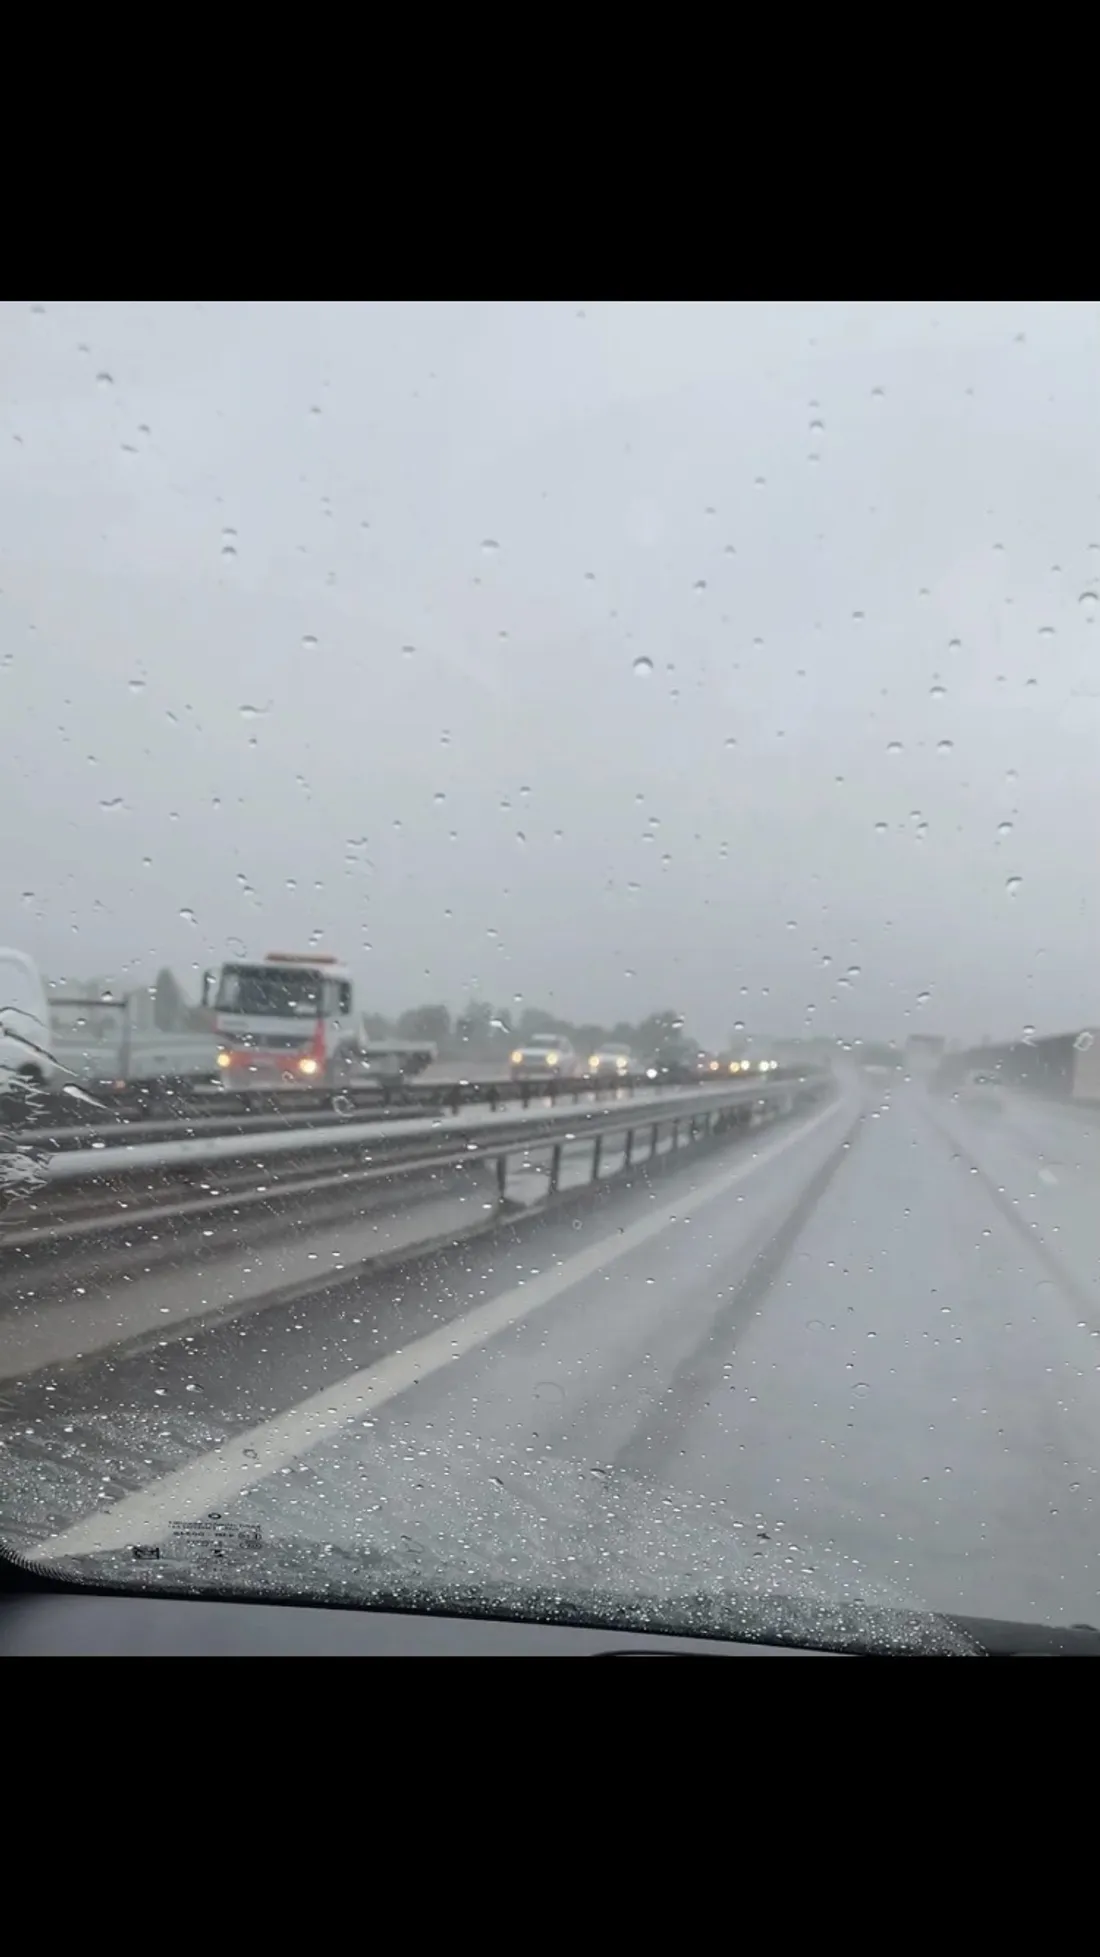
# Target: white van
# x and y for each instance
(24, 1021)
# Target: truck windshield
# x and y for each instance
(263, 992)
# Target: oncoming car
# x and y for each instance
(545, 1056)
(609, 1061)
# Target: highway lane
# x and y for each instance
(846, 1339)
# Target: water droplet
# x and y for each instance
(1083, 1042)
(1088, 602)
(250, 713)
(1046, 631)
(309, 641)
(861, 1387)
(1012, 886)
(188, 916)
(104, 378)
(489, 544)
(113, 805)
(893, 747)
(699, 585)
(136, 685)
(1003, 829)
(643, 667)
(229, 550)
(438, 797)
(945, 747)
(923, 998)
(937, 692)
(854, 971)
(880, 828)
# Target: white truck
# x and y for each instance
(290, 1020)
(24, 1023)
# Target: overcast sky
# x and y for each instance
(741, 658)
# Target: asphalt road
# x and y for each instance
(859, 1353)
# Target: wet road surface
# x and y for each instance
(872, 1334)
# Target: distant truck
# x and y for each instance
(290, 1020)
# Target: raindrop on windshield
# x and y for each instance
(893, 747)
(643, 667)
(1004, 829)
(945, 747)
(1012, 886)
(489, 544)
(937, 692)
(1083, 1042)
(188, 916)
(105, 379)
(1088, 602)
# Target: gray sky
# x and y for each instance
(323, 619)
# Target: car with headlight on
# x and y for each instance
(611, 1062)
(545, 1056)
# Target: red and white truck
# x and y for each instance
(290, 1020)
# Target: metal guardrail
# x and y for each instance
(174, 1107)
(99, 1190)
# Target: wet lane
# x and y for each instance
(855, 1346)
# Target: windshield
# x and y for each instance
(708, 687)
(267, 994)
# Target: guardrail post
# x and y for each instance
(675, 1135)
(597, 1151)
(502, 1176)
(628, 1148)
(653, 1139)
(126, 1038)
(555, 1169)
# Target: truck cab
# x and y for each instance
(287, 1020)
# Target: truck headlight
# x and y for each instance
(225, 1059)
(308, 1065)
(517, 1056)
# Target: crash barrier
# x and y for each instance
(99, 1190)
(174, 1109)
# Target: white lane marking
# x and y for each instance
(254, 1456)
